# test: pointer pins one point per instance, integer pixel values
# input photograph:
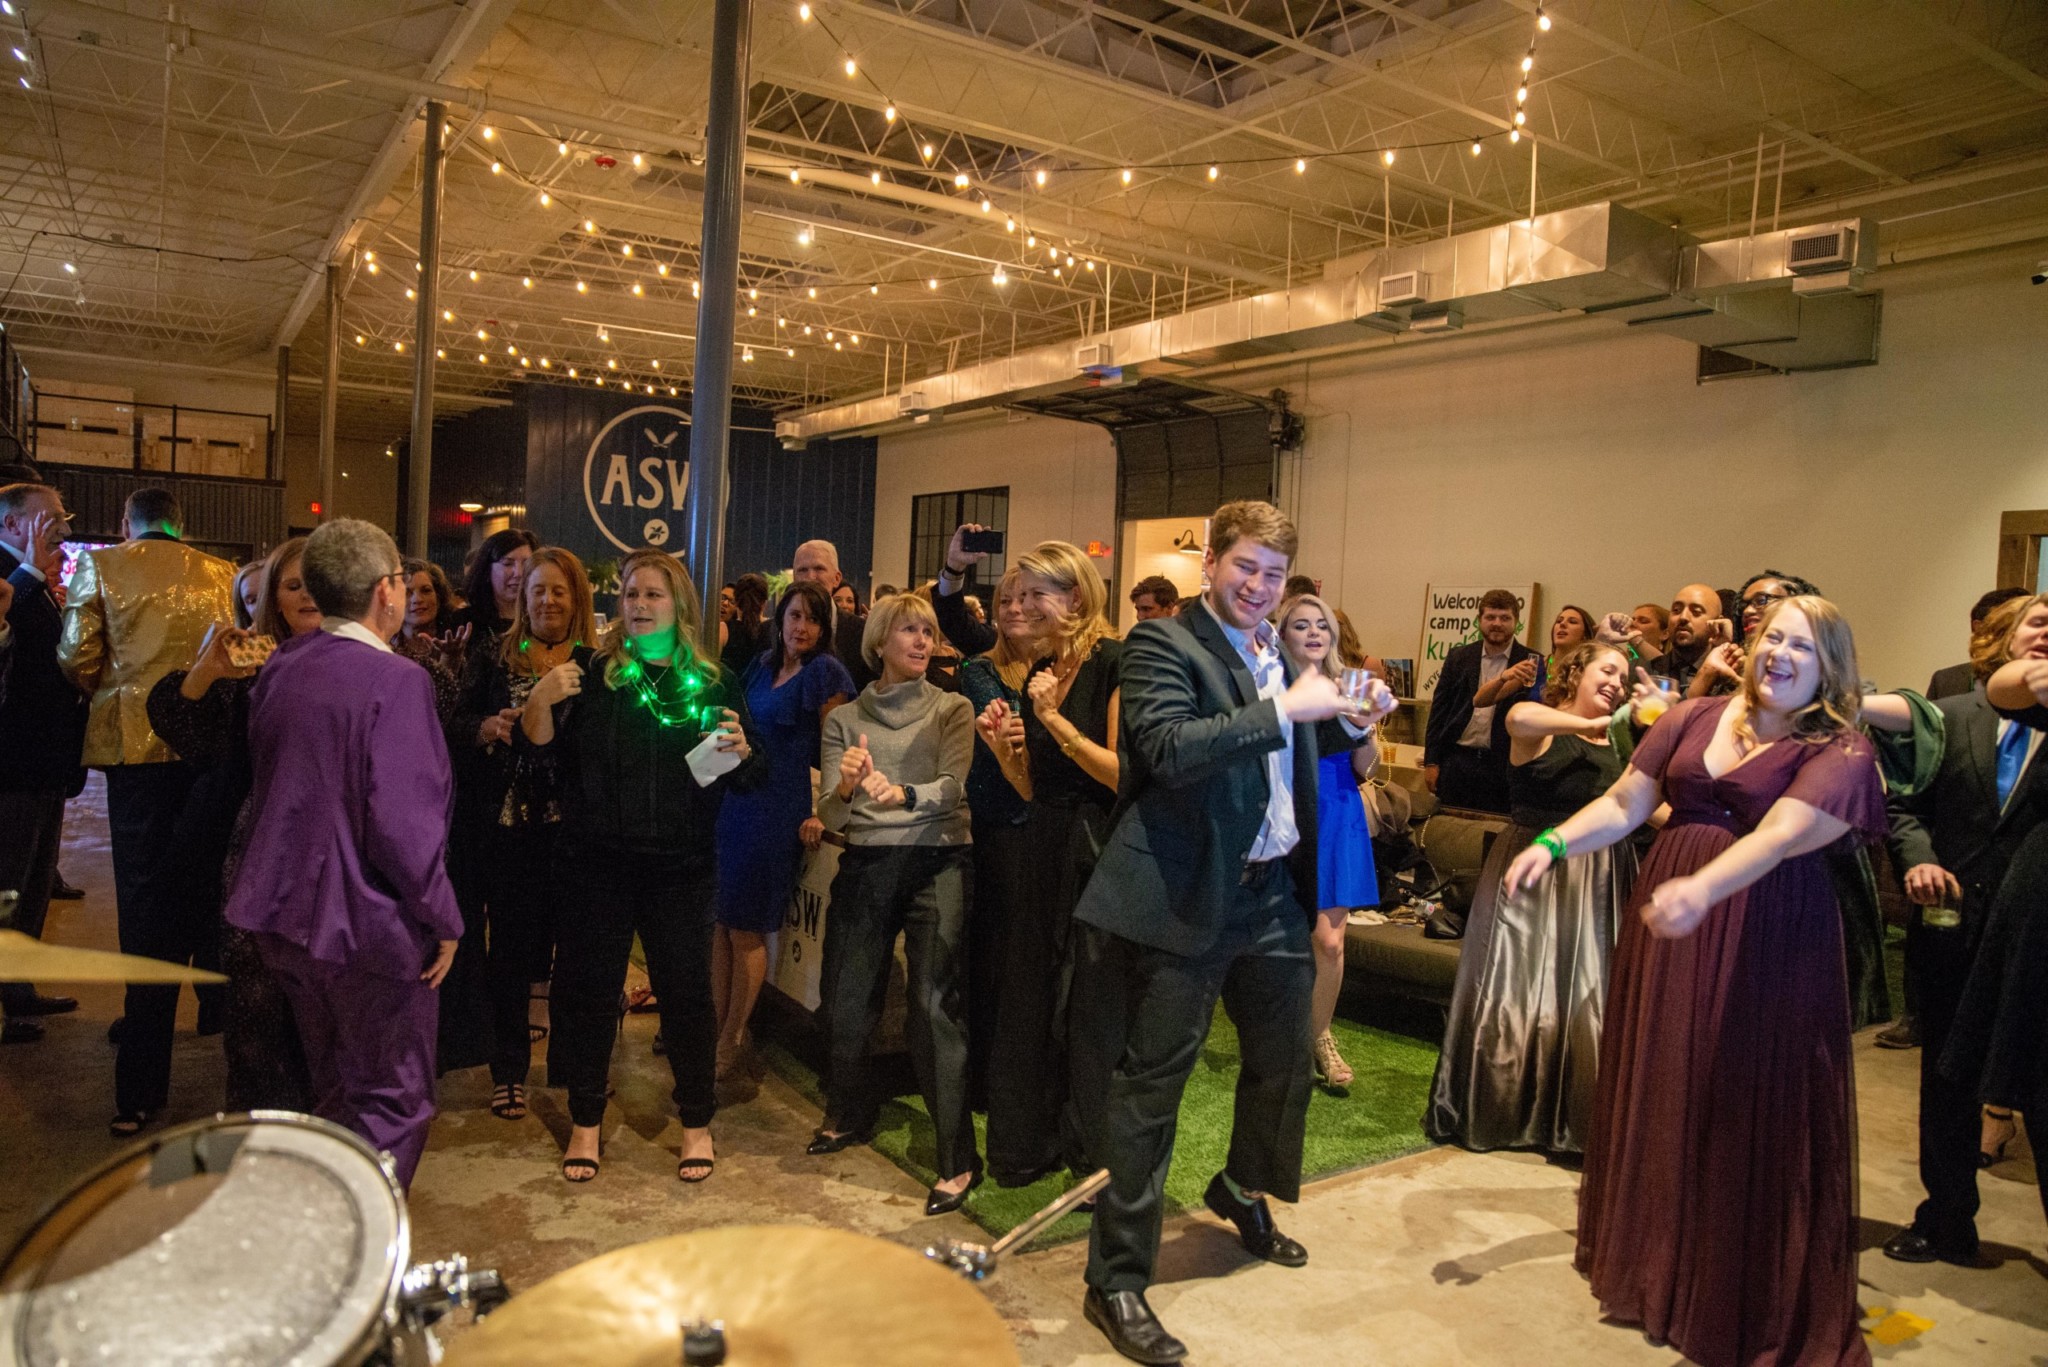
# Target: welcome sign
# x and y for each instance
(635, 475)
(1450, 618)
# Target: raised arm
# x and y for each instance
(2019, 686)
(1789, 829)
(1538, 721)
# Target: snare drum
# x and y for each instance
(267, 1238)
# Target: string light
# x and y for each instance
(1529, 61)
(545, 363)
(803, 12)
(796, 177)
(1127, 175)
(489, 132)
(482, 359)
(960, 181)
(398, 346)
(526, 282)
(851, 69)
(1039, 179)
(1300, 166)
(1521, 94)
(1520, 118)
(639, 162)
(1387, 157)
(411, 293)
(874, 177)
(1514, 135)
(370, 265)
(589, 225)
(1214, 172)
(1476, 149)
(1001, 277)
(473, 277)
(447, 315)
(562, 149)
(889, 114)
(662, 270)
(546, 199)
(582, 288)
(625, 249)
(926, 150)
(359, 339)
(572, 370)
(803, 237)
(932, 283)
(497, 167)
(637, 291)
(1542, 19)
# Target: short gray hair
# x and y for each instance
(831, 551)
(342, 563)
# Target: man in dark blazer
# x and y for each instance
(1465, 748)
(42, 731)
(817, 562)
(1195, 896)
(1954, 839)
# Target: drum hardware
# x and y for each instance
(428, 1291)
(977, 1261)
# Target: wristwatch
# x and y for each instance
(909, 797)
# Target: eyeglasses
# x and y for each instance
(1760, 601)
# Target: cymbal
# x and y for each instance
(789, 1297)
(24, 958)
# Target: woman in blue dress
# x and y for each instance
(1344, 870)
(762, 835)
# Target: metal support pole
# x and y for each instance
(420, 453)
(277, 426)
(711, 389)
(330, 390)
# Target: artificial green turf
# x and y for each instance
(1381, 1118)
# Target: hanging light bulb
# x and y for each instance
(625, 249)
(1056, 273)
(1031, 239)
(890, 113)
(611, 363)
(814, 291)
(359, 339)
(545, 363)
(440, 354)
(398, 346)
(497, 167)
(803, 12)
(489, 132)
(854, 338)
(782, 322)
(482, 359)
(753, 294)
(696, 290)
(671, 391)
(1089, 264)
(1001, 276)
(1039, 179)
(789, 351)
(589, 225)
(986, 206)
(1214, 172)
(1542, 19)
(371, 266)
(546, 199)
(751, 310)
(447, 315)
(796, 177)
(932, 283)
(1520, 118)
(1521, 94)
(524, 362)
(747, 355)
(655, 362)
(874, 289)
(807, 329)
(926, 151)
(637, 291)
(582, 288)
(850, 67)
(960, 181)
(1127, 175)
(572, 372)
(839, 346)
(1514, 135)
(1300, 165)
(662, 270)
(1387, 157)
(1475, 147)
(482, 336)
(526, 282)
(562, 149)
(803, 237)
(639, 162)
(829, 334)
(411, 293)
(1529, 61)
(874, 177)
(511, 350)
(472, 275)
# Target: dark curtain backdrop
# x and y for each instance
(533, 454)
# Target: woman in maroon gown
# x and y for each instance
(1718, 1209)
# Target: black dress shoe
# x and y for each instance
(1911, 1246)
(1254, 1223)
(823, 1143)
(19, 1030)
(1131, 1327)
(944, 1203)
(1904, 1034)
(40, 1005)
(61, 891)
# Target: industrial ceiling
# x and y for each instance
(930, 182)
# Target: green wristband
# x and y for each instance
(1550, 840)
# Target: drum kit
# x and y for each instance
(273, 1238)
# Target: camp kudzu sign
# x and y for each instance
(635, 475)
(1450, 617)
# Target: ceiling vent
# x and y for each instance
(1821, 251)
(1404, 287)
(911, 403)
(1094, 356)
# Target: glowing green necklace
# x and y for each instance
(692, 710)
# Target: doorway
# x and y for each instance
(1168, 546)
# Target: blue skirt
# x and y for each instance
(1344, 870)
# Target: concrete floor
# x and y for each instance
(1440, 1258)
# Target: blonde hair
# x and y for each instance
(1329, 660)
(1012, 662)
(1064, 565)
(1991, 642)
(1350, 649)
(886, 615)
(1837, 698)
(612, 658)
(1254, 520)
(582, 618)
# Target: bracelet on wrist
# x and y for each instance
(1550, 840)
(1071, 744)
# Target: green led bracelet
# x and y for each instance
(1550, 840)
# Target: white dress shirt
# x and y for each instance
(1478, 732)
(352, 630)
(1260, 647)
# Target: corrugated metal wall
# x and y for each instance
(238, 519)
(778, 499)
(1188, 468)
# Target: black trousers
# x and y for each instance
(1031, 1127)
(1951, 1124)
(1473, 778)
(31, 829)
(608, 896)
(1161, 1005)
(463, 1038)
(521, 949)
(1002, 883)
(160, 913)
(922, 893)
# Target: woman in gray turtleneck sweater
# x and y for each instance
(894, 761)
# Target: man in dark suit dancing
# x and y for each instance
(1955, 839)
(1465, 749)
(1195, 896)
(42, 730)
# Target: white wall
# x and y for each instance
(1061, 476)
(188, 386)
(1588, 460)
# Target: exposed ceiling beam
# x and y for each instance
(1923, 13)
(465, 41)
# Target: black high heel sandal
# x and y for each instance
(1991, 1157)
(508, 1101)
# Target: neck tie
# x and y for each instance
(2012, 757)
